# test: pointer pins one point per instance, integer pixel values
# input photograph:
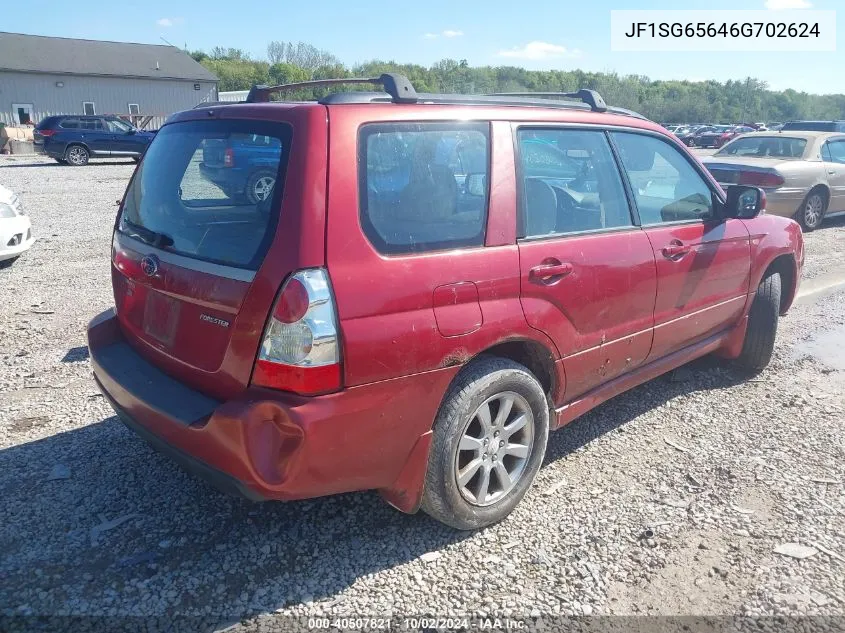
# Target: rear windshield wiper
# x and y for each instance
(153, 238)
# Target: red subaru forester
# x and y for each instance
(426, 287)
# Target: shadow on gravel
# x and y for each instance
(76, 354)
(122, 529)
(703, 374)
(103, 523)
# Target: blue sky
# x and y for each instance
(537, 34)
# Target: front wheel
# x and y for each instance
(690, 142)
(762, 325)
(489, 440)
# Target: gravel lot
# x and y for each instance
(721, 470)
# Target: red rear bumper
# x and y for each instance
(271, 445)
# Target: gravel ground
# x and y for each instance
(668, 500)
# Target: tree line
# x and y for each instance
(747, 100)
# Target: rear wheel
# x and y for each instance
(690, 142)
(77, 155)
(811, 212)
(762, 325)
(489, 440)
(259, 186)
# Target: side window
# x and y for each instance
(570, 183)
(70, 124)
(667, 188)
(836, 150)
(117, 126)
(826, 153)
(423, 186)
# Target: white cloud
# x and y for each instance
(447, 33)
(168, 22)
(539, 50)
(779, 5)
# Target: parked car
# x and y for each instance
(708, 137)
(411, 311)
(687, 135)
(730, 134)
(243, 165)
(813, 126)
(802, 173)
(15, 228)
(73, 139)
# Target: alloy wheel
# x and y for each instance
(494, 448)
(813, 210)
(263, 187)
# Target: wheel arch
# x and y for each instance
(785, 266)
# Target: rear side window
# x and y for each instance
(207, 191)
(70, 124)
(570, 183)
(423, 186)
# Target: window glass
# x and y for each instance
(570, 183)
(423, 186)
(70, 124)
(117, 126)
(184, 198)
(836, 150)
(91, 124)
(765, 147)
(667, 188)
(826, 153)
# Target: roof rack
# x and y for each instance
(590, 97)
(398, 89)
(397, 86)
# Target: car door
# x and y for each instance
(587, 274)
(703, 262)
(833, 154)
(123, 139)
(96, 135)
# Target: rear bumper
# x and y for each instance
(269, 445)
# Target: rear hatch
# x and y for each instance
(190, 290)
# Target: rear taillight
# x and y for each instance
(229, 157)
(300, 351)
(760, 179)
(46, 132)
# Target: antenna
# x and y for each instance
(161, 37)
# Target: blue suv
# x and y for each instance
(244, 166)
(72, 139)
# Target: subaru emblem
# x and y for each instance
(149, 265)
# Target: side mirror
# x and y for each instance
(744, 202)
(476, 184)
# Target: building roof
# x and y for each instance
(61, 55)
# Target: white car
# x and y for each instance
(15, 227)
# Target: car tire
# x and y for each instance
(690, 142)
(471, 444)
(762, 325)
(811, 213)
(77, 155)
(260, 180)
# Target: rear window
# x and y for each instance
(765, 147)
(423, 186)
(208, 190)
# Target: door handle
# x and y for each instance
(832, 172)
(549, 272)
(675, 250)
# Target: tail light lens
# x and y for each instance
(300, 351)
(229, 157)
(761, 179)
(46, 132)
